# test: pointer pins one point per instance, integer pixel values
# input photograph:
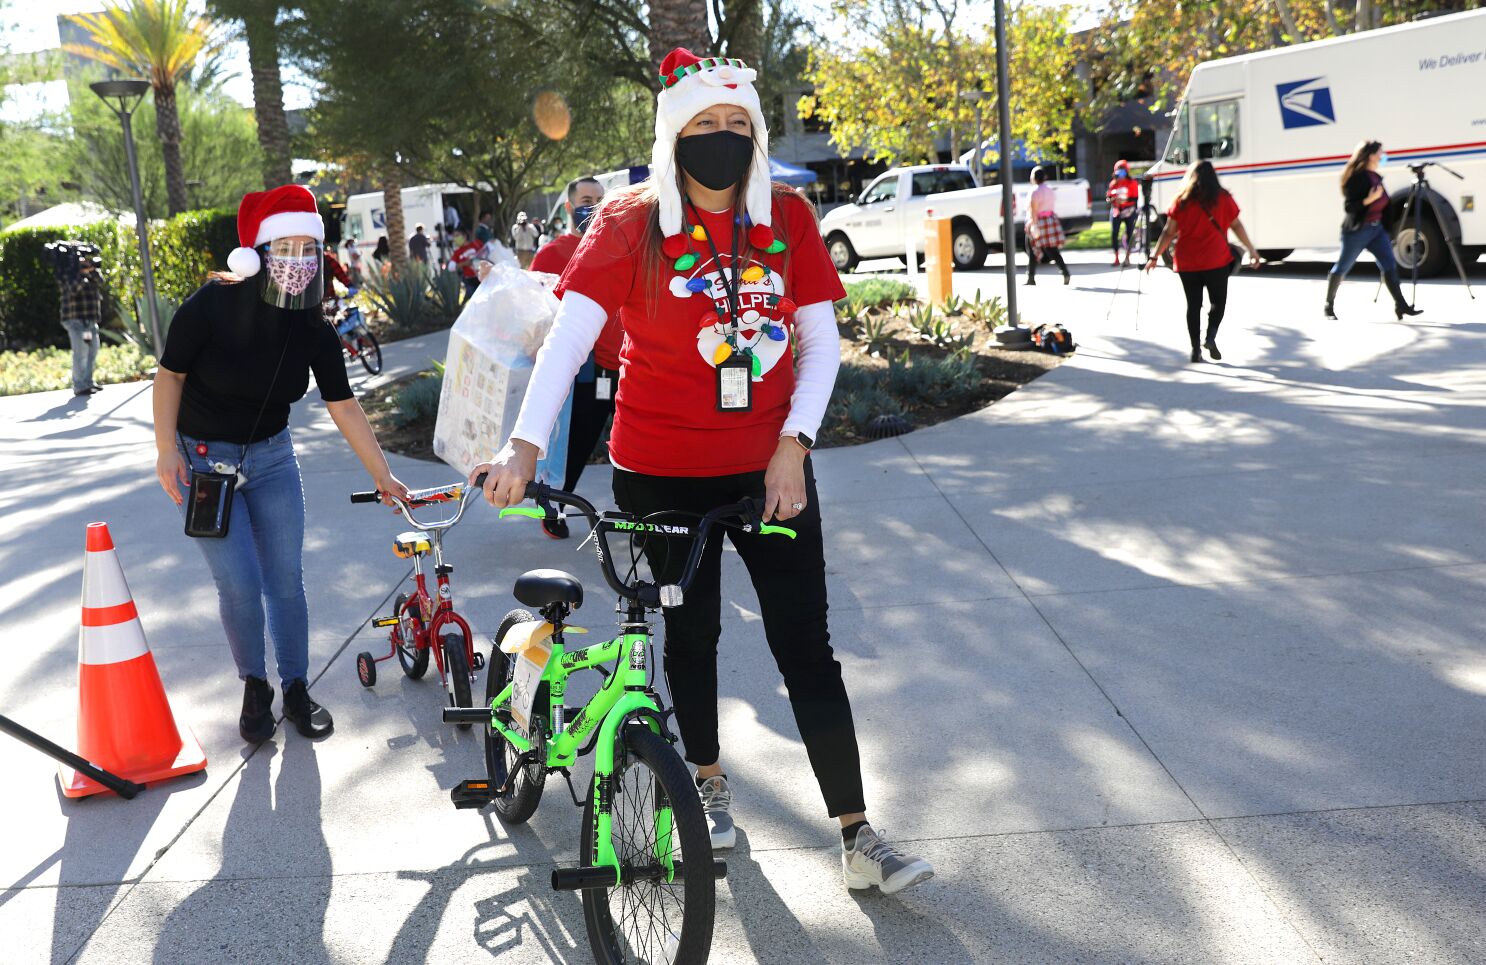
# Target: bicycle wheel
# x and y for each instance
(646, 919)
(369, 351)
(457, 668)
(414, 661)
(500, 756)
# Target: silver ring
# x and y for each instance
(797, 506)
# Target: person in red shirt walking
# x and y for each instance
(714, 268)
(1123, 195)
(1198, 223)
(593, 389)
(464, 258)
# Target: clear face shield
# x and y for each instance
(293, 274)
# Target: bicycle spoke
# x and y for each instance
(642, 910)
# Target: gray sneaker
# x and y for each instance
(872, 861)
(716, 799)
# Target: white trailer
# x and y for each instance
(1280, 125)
(365, 216)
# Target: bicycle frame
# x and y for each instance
(624, 694)
(438, 612)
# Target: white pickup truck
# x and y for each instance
(892, 209)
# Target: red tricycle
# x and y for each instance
(421, 624)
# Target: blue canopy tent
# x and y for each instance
(789, 173)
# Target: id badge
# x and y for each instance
(603, 388)
(735, 385)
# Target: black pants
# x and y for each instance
(589, 415)
(1118, 223)
(790, 578)
(1052, 255)
(1215, 280)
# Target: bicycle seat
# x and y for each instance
(411, 544)
(539, 588)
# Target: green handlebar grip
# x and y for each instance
(766, 529)
(531, 511)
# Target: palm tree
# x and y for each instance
(159, 39)
(678, 23)
(261, 30)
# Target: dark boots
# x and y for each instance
(1333, 282)
(256, 724)
(310, 719)
(1400, 306)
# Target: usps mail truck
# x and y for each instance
(1280, 125)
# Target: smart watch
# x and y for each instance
(806, 442)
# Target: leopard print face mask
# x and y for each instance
(293, 275)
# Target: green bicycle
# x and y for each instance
(646, 872)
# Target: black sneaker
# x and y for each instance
(555, 528)
(256, 724)
(310, 719)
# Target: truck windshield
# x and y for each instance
(1178, 146)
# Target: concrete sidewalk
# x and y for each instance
(1155, 662)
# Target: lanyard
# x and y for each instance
(733, 288)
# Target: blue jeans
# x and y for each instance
(261, 560)
(1374, 238)
(83, 333)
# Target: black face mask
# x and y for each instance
(717, 160)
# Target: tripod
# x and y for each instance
(1411, 210)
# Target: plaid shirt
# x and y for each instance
(1043, 232)
(82, 298)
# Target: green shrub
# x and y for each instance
(51, 368)
(182, 250)
(402, 298)
(187, 247)
(932, 381)
(419, 399)
(445, 290)
(880, 291)
(859, 398)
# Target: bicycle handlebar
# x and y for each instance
(428, 497)
(748, 513)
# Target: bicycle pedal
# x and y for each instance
(385, 622)
(479, 661)
(471, 794)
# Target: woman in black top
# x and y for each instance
(239, 353)
(1366, 205)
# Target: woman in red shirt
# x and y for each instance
(1198, 223)
(714, 270)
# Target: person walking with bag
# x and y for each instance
(1197, 225)
(593, 389)
(712, 267)
(239, 353)
(1365, 203)
(1044, 228)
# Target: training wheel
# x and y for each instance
(366, 669)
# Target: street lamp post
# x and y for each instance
(122, 97)
(1008, 229)
(977, 96)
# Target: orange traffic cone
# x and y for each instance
(124, 723)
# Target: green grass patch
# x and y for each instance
(1095, 238)
(51, 368)
(880, 291)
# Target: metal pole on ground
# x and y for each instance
(123, 788)
(1008, 228)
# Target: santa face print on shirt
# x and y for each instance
(760, 306)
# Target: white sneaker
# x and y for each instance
(872, 861)
(717, 797)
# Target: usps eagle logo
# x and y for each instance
(1305, 103)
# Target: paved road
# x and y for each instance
(1156, 662)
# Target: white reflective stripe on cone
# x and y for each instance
(113, 644)
(103, 580)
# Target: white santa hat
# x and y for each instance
(266, 215)
(691, 84)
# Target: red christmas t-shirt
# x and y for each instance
(554, 257)
(1201, 245)
(666, 421)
